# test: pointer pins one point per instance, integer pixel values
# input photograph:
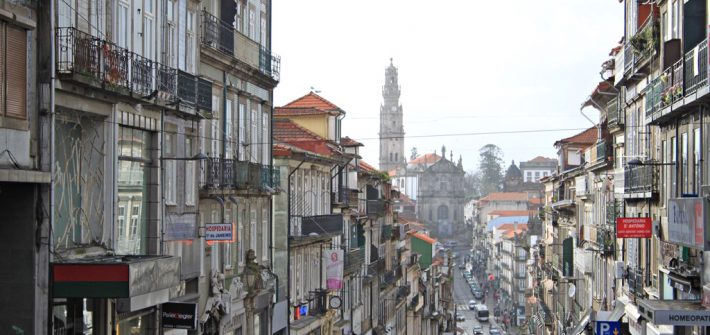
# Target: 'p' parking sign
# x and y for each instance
(608, 328)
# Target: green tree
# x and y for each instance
(490, 169)
(472, 185)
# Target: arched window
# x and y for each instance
(442, 213)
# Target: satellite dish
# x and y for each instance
(571, 290)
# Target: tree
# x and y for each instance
(490, 169)
(415, 154)
(472, 185)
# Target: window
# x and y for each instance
(252, 229)
(133, 184)
(239, 17)
(265, 233)
(189, 173)
(252, 23)
(170, 169)
(265, 139)
(171, 35)
(149, 30)
(528, 176)
(214, 138)
(253, 121)
(13, 71)
(240, 228)
(242, 131)
(229, 135)
(190, 38)
(674, 172)
(123, 24)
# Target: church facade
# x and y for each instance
(441, 198)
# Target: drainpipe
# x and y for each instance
(52, 121)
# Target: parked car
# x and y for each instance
(477, 330)
(472, 304)
(460, 317)
(494, 331)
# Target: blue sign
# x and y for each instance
(608, 328)
(303, 311)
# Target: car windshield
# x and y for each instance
(483, 314)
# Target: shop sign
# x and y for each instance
(682, 317)
(219, 232)
(179, 315)
(633, 227)
(686, 224)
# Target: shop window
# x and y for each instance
(133, 189)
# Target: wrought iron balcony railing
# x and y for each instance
(100, 63)
(227, 176)
(641, 179)
(213, 173)
(187, 88)
(696, 74)
(221, 36)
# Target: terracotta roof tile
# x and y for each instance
(423, 237)
(540, 159)
(313, 100)
(283, 111)
(289, 132)
(429, 158)
(586, 137)
(505, 196)
(513, 212)
(349, 142)
(366, 167)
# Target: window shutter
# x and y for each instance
(16, 72)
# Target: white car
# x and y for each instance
(472, 304)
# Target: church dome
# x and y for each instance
(513, 172)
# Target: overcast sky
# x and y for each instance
(465, 66)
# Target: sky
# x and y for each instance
(465, 67)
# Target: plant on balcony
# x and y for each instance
(645, 40)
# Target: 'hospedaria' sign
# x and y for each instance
(686, 222)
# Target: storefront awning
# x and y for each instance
(137, 281)
(675, 312)
(632, 312)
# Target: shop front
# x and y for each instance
(663, 315)
(120, 292)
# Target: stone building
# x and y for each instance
(391, 123)
(513, 180)
(441, 197)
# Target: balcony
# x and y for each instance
(91, 61)
(354, 259)
(345, 198)
(223, 38)
(212, 174)
(606, 241)
(229, 173)
(195, 92)
(696, 69)
(376, 208)
(644, 44)
(253, 176)
(640, 181)
(376, 267)
(598, 153)
(322, 224)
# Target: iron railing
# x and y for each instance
(241, 172)
(101, 63)
(642, 178)
(217, 34)
(269, 63)
(354, 259)
(186, 88)
(212, 173)
(227, 177)
(696, 69)
(254, 175)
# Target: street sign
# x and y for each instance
(633, 227)
(608, 328)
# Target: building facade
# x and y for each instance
(441, 197)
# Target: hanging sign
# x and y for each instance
(633, 227)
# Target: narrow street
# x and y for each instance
(463, 294)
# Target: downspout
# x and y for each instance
(52, 121)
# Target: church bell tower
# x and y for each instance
(391, 127)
